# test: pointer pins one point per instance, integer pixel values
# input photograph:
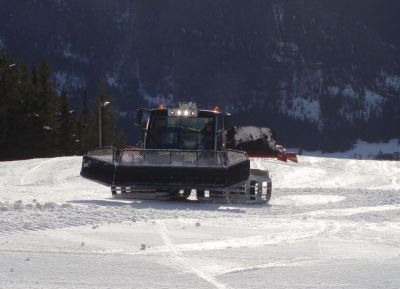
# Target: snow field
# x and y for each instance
(331, 223)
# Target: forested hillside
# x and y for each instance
(322, 73)
(36, 121)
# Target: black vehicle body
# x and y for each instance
(182, 149)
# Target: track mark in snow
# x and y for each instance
(304, 200)
(34, 169)
(352, 211)
(294, 263)
(179, 257)
(296, 232)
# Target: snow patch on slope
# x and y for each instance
(153, 100)
(69, 54)
(348, 91)
(159, 99)
(388, 81)
(63, 79)
(112, 79)
(304, 109)
(372, 103)
(333, 90)
(359, 105)
(361, 149)
(122, 17)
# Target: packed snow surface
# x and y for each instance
(331, 223)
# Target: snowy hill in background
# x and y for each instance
(331, 223)
(362, 150)
(322, 73)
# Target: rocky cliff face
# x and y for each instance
(322, 73)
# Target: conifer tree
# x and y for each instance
(29, 121)
(84, 125)
(11, 107)
(49, 103)
(65, 126)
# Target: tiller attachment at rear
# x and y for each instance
(259, 142)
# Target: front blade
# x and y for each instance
(99, 166)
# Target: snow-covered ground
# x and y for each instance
(332, 223)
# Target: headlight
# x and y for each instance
(187, 110)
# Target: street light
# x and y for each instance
(5, 69)
(101, 106)
(9, 66)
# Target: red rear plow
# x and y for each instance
(282, 156)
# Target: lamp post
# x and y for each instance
(101, 106)
(9, 66)
(5, 69)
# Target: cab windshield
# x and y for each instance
(185, 133)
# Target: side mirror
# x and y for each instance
(227, 121)
(139, 117)
(142, 116)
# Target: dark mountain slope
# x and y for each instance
(322, 73)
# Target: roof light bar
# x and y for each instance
(185, 109)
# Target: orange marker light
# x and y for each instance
(161, 106)
(217, 109)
